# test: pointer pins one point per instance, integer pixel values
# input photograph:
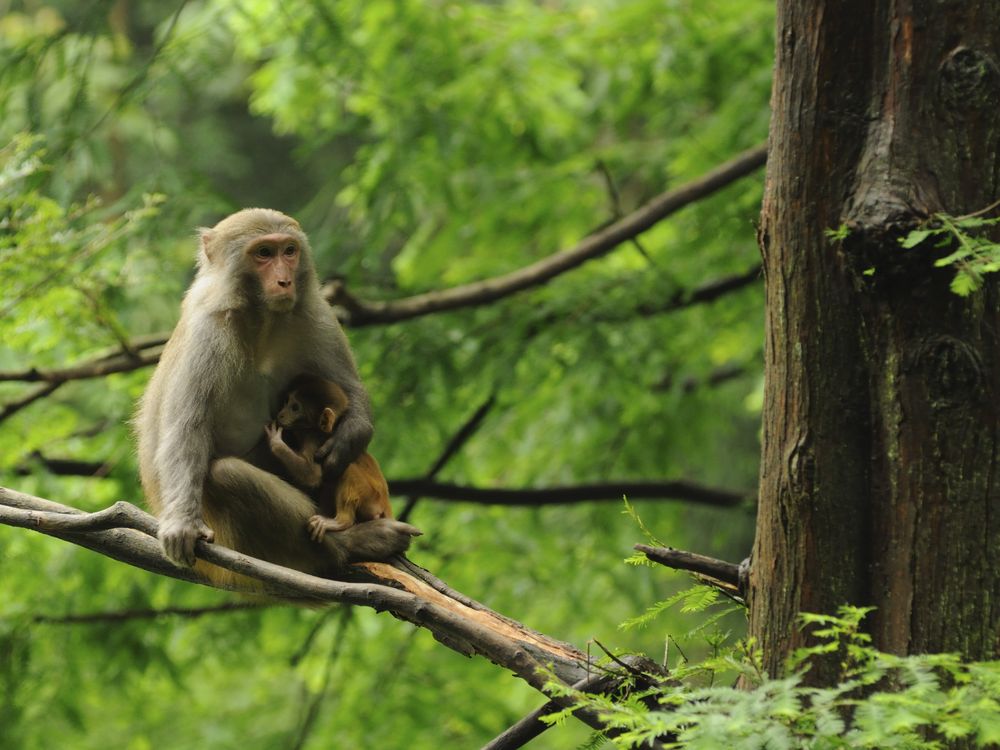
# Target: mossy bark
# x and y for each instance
(879, 469)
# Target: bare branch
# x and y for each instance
(63, 467)
(145, 351)
(124, 532)
(363, 313)
(613, 491)
(728, 577)
(716, 377)
(531, 726)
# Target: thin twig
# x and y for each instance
(13, 407)
(453, 446)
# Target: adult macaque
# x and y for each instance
(310, 413)
(252, 319)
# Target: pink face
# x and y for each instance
(275, 258)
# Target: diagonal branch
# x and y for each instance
(455, 443)
(363, 313)
(13, 407)
(126, 533)
(145, 350)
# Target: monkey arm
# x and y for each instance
(304, 470)
(354, 427)
(349, 440)
(185, 440)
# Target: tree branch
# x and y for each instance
(430, 488)
(13, 407)
(614, 491)
(729, 577)
(681, 560)
(454, 445)
(363, 313)
(531, 726)
(126, 533)
(716, 377)
(143, 351)
(707, 292)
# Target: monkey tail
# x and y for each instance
(372, 540)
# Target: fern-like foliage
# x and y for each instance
(973, 254)
(881, 701)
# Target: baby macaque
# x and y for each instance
(310, 412)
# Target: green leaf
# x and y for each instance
(915, 237)
(964, 284)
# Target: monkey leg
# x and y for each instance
(262, 515)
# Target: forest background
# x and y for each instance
(422, 145)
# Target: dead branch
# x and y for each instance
(408, 592)
(681, 560)
(728, 577)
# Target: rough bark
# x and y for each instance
(880, 420)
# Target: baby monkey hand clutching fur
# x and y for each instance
(310, 412)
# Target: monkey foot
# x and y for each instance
(320, 525)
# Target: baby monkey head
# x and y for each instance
(312, 403)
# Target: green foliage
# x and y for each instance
(881, 700)
(421, 145)
(56, 257)
(973, 254)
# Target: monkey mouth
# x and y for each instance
(281, 302)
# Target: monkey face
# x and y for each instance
(275, 259)
(294, 413)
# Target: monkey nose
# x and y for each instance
(284, 283)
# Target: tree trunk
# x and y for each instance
(878, 481)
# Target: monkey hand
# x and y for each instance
(273, 431)
(348, 441)
(178, 536)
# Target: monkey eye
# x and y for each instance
(296, 407)
(264, 251)
(291, 250)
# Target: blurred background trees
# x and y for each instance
(422, 145)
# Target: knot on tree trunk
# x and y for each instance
(969, 80)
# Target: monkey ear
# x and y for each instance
(206, 236)
(327, 419)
